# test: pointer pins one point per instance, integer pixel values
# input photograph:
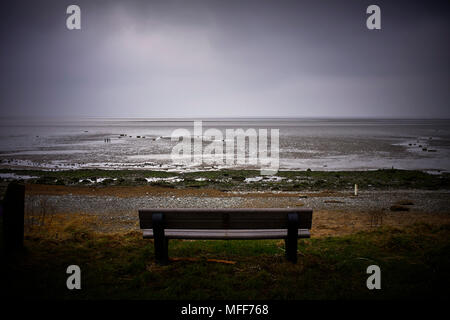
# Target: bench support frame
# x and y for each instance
(160, 240)
(292, 237)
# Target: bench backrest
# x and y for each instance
(232, 218)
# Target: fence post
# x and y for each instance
(13, 217)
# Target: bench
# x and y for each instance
(247, 223)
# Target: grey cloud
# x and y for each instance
(225, 58)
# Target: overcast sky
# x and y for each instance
(225, 59)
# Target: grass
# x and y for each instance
(235, 179)
(414, 262)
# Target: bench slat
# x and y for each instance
(226, 234)
(230, 218)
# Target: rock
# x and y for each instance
(397, 207)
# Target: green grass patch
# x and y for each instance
(414, 262)
(234, 180)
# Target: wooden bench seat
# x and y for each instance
(163, 224)
(201, 234)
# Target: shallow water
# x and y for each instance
(318, 144)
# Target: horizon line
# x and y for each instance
(219, 118)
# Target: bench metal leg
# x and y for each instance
(292, 237)
(160, 240)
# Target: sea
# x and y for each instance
(315, 144)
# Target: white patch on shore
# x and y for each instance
(97, 180)
(14, 176)
(253, 179)
(170, 179)
(100, 180)
(268, 179)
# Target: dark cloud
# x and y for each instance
(225, 58)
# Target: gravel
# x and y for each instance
(125, 210)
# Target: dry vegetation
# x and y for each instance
(411, 247)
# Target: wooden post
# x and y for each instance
(356, 189)
(292, 237)
(160, 240)
(13, 217)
